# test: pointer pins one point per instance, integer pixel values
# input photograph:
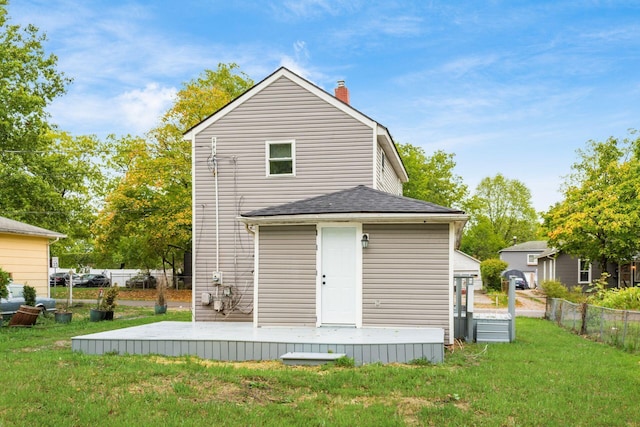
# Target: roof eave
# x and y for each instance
(396, 160)
(26, 233)
(389, 218)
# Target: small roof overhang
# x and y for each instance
(10, 226)
(359, 204)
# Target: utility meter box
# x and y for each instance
(217, 277)
(206, 298)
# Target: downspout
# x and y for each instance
(215, 174)
(194, 238)
(214, 143)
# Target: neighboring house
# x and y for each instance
(466, 265)
(24, 253)
(524, 257)
(298, 218)
(571, 271)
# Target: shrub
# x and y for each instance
(29, 295)
(619, 299)
(490, 270)
(109, 300)
(555, 289)
(4, 281)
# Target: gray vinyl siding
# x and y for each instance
(333, 152)
(287, 276)
(387, 179)
(567, 270)
(406, 276)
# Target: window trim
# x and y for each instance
(580, 271)
(268, 159)
(535, 259)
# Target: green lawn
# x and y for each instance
(547, 377)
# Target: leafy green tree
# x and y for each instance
(147, 215)
(30, 81)
(500, 210)
(599, 218)
(431, 178)
(481, 240)
(490, 271)
(47, 177)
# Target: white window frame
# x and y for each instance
(580, 271)
(532, 259)
(268, 159)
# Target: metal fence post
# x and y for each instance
(512, 308)
(624, 328)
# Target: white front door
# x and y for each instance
(338, 276)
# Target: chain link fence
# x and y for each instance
(620, 328)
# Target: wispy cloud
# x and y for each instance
(311, 9)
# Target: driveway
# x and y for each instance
(529, 303)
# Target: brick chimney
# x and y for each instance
(342, 93)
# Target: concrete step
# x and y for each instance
(303, 358)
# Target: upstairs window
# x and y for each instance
(584, 271)
(532, 259)
(281, 158)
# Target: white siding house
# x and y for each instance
(288, 181)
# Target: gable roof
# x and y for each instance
(360, 199)
(11, 226)
(381, 131)
(533, 245)
(467, 256)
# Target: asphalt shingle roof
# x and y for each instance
(533, 245)
(16, 227)
(359, 199)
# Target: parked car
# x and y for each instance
(94, 281)
(82, 280)
(521, 284)
(10, 305)
(62, 279)
(142, 280)
(521, 281)
(57, 279)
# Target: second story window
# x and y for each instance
(532, 259)
(281, 158)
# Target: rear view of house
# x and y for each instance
(298, 218)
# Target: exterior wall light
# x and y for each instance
(365, 241)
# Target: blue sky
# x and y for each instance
(511, 87)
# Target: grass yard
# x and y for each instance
(548, 377)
